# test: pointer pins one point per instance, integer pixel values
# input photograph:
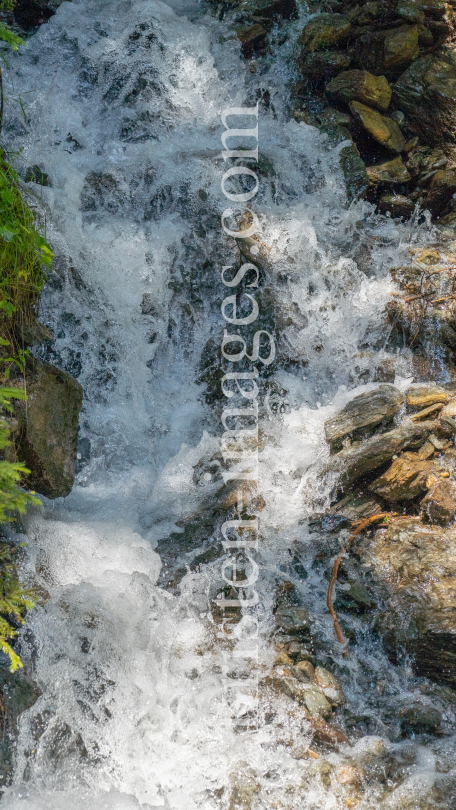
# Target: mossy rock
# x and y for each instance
(46, 440)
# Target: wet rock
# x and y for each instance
(396, 205)
(393, 171)
(415, 563)
(48, 429)
(324, 31)
(348, 775)
(292, 619)
(383, 129)
(439, 505)
(34, 174)
(420, 719)
(253, 39)
(359, 85)
(449, 409)
(245, 787)
(303, 692)
(330, 685)
(411, 11)
(275, 9)
(400, 47)
(29, 14)
(426, 93)
(422, 395)
(17, 694)
(307, 668)
(327, 734)
(404, 480)
(354, 170)
(316, 702)
(441, 190)
(324, 64)
(356, 508)
(354, 597)
(388, 52)
(425, 37)
(363, 457)
(364, 411)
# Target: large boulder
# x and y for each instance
(426, 93)
(47, 435)
(415, 563)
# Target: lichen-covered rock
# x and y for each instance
(400, 47)
(426, 93)
(415, 563)
(393, 171)
(47, 436)
(360, 85)
(324, 31)
(388, 52)
(364, 411)
(324, 64)
(382, 128)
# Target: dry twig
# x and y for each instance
(363, 525)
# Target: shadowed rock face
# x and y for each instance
(29, 14)
(48, 429)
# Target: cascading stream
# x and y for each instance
(123, 103)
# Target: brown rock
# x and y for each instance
(404, 480)
(449, 409)
(426, 93)
(324, 64)
(383, 129)
(252, 38)
(393, 171)
(324, 31)
(327, 734)
(363, 457)
(307, 668)
(359, 85)
(400, 47)
(439, 505)
(365, 410)
(441, 190)
(421, 395)
(415, 563)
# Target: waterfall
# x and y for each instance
(123, 102)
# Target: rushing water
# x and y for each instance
(123, 101)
